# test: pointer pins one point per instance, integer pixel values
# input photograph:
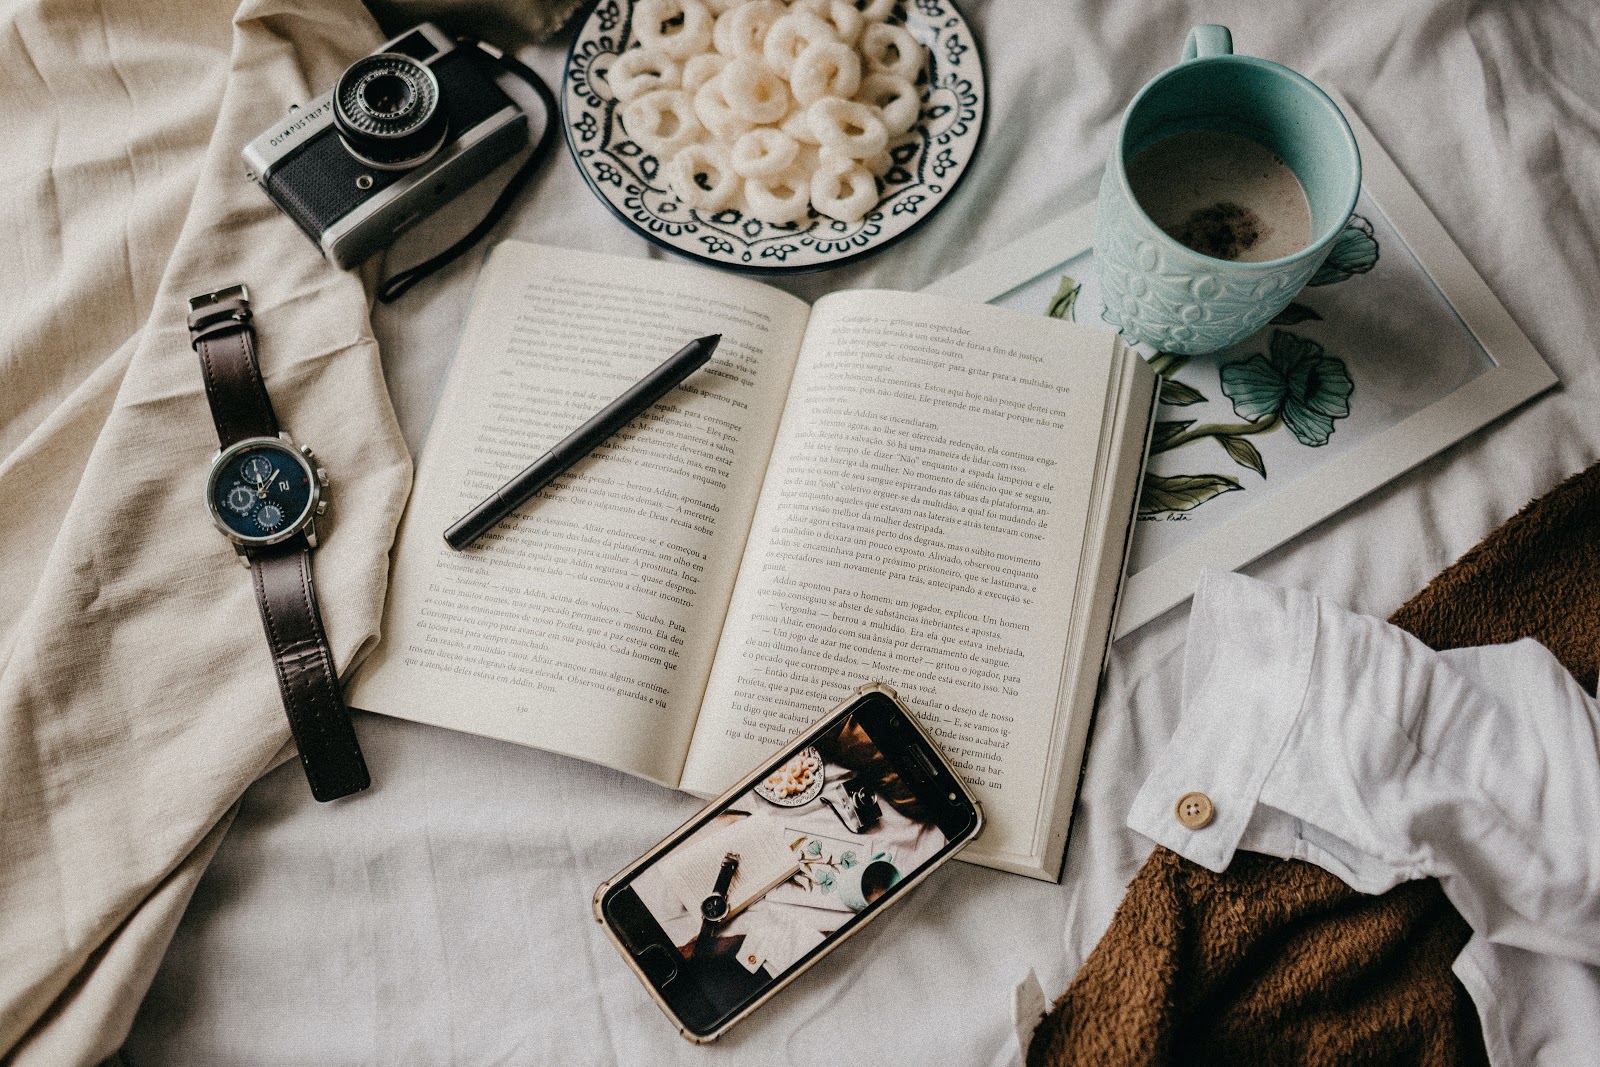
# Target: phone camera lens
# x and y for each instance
(386, 110)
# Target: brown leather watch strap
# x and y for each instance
(318, 718)
(221, 334)
(220, 331)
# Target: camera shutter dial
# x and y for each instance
(386, 110)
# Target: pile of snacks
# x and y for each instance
(794, 777)
(768, 107)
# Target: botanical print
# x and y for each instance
(1296, 386)
(822, 860)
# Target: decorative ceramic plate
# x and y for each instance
(813, 786)
(927, 163)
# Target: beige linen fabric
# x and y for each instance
(137, 700)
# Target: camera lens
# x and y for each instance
(386, 110)
(387, 95)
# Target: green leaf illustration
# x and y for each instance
(1255, 386)
(1354, 251)
(1295, 313)
(1066, 297)
(1176, 394)
(1165, 431)
(1180, 492)
(1168, 364)
(1302, 384)
(1244, 453)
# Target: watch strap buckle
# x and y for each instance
(217, 312)
(226, 293)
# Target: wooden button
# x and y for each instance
(1195, 811)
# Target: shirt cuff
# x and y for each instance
(1247, 664)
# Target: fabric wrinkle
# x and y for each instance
(93, 836)
(130, 159)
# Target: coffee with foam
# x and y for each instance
(1222, 195)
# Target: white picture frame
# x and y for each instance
(1517, 374)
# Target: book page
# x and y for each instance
(922, 524)
(586, 622)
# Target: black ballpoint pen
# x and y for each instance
(580, 442)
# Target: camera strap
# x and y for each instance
(391, 289)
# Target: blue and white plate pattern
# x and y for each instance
(633, 183)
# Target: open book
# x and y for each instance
(884, 487)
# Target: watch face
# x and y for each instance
(714, 907)
(261, 491)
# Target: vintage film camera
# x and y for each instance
(404, 130)
(855, 802)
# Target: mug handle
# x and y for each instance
(1207, 41)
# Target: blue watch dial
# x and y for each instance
(261, 491)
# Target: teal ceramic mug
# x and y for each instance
(864, 883)
(1180, 300)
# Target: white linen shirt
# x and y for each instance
(1338, 739)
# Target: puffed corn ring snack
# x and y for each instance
(754, 91)
(697, 70)
(847, 128)
(791, 35)
(703, 178)
(662, 122)
(878, 165)
(876, 10)
(779, 200)
(842, 15)
(742, 31)
(895, 97)
(680, 28)
(843, 189)
(798, 126)
(764, 153)
(770, 107)
(827, 68)
(711, 107)
(806, 161)
(640, 70)
(890, 49)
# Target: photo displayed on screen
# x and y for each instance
(787, 863)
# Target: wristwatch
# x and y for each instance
(265, 494)
(714, 908)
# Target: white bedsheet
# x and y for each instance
(443, 917)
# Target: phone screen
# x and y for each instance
(761, 885)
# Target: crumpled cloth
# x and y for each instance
(137, 698)
(1279, 961)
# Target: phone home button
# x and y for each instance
(659, 964)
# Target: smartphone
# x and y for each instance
(788, 863)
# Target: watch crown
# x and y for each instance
(305, 450)
(322, 476)
(322, 507)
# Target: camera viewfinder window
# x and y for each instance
(414, 45)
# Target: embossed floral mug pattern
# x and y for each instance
(1179, 300)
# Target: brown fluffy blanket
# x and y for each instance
(1277, 961)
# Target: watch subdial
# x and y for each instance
(270, 517)
(241, 498)
(257, 469)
